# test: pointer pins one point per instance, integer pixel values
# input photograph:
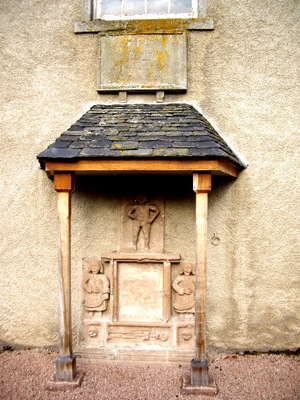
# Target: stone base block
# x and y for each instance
(210, 390)
(141, 357)
(55, 384)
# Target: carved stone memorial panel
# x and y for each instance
(140, 292)
(139, 301)
(142, 62)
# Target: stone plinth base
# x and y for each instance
(142, 357)
(210, 390)
(54, 384)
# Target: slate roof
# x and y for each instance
(147, 131)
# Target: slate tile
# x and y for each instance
(152, 144)
(140, 130)
(100, 143)
(207, 144)
(69, 137)
(95, 152)
(60, 144)
(170, 152)
(148, 135)
(204, 152)
(77, 145)
(183, 144)
(53, 152)
(137, 153)
(124, 145)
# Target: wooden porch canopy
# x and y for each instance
(137, 138)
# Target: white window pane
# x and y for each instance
(157, 6)
(111, 7)
(132, 7)
(181, 6)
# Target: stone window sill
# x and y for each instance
(143, 26)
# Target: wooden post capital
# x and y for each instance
(64, 181)
(201, 183)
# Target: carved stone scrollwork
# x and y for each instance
(96, 287)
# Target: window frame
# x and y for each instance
(91, 12)
(97, 12)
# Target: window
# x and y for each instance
(113, 15)
(143, 9)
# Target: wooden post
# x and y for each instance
(199, 365)
(66, 361)
(115, 291)
(166, 291)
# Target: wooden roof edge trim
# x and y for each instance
(228, 168)
(222, 166)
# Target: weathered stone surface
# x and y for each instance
(93, 334)
(211, 389)
(140, 292)
(56, 385)
(139, 336)
(142, 62)
(172, 25)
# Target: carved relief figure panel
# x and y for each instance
(142, 214)
(96, 287)
(184, 286)
(142, 227)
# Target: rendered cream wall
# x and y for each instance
(244, 75)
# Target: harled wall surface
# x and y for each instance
(244, 76)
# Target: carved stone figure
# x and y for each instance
(143, 215)
(96, 286)
(184, 286)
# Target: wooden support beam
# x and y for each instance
(66, 361)
(199, 365)
(126, 166)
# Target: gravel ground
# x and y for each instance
(24, 374)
